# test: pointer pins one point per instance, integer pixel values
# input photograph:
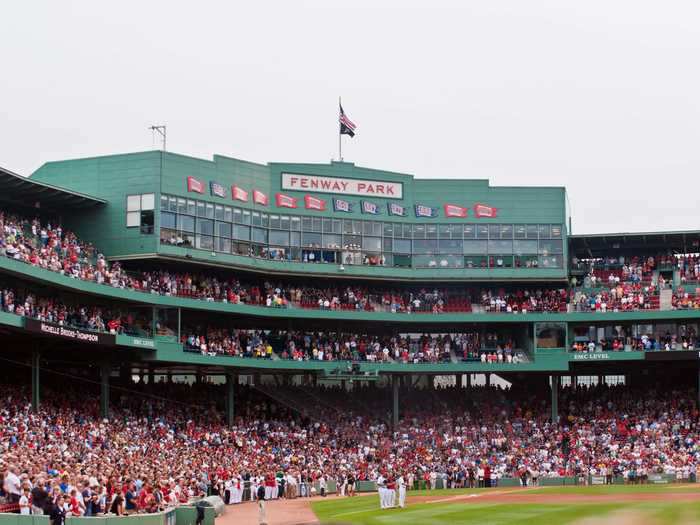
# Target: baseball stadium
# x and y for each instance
(196, 341)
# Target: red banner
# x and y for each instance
(285, 201)
(195, 185)
(481, 211)
(452, 210)
(259, 197)
(313, 203)
(239, 193)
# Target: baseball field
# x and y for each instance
(617, 504)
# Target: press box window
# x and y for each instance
(139, 212)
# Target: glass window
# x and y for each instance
(337, 226)
(545, 231)
(181, 206)
(425, 246)
(284, 222)
(367, 227)
(556, 231)
(237, 216)
(532, 231)
(259, 235)
(372, 244)
(524, 247)
(551, 246)
(264, 220)
(241, 232)
(550, 335)
(311, 240)
(148, 201)
(185, 223)
(475, 247)
(296, 224)
(444, 231)
(389, 229)
(279, 238)
(347, 226)
(204, 242)
(163, 203)
(469, 231)
(450, 246)
(219, 212)
(210, 211)
(201, 209)
(387, 244)
(133, 218)
(295, 239)
(419, 231)
(431, 231)
(550, 261)
(377, 229)
(327, 225)
(306, 224)
(222, 245)
(205, 226)
(223, 229)
(407, 231)
(494, 231)
(255, 219)
(168, 220)
(482, 231)
(402, 261)
(133, 203)
(352, 242)
(500, 247)
(332, 241)
(173, 203)
(275, 222)
(506, 231)
(402, 246)
(228, 216)
(316, 224)
(191, 207)
(520, 231)
(245, 217)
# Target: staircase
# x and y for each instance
(666, 299)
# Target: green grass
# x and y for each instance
(364, 510)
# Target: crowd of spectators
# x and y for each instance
(85, 317)
(318, 346)
(158, 450)
(644, 343)
(628, 282)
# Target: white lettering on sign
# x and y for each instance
(365, 188)
(590, 357)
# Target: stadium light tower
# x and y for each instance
(161, 130)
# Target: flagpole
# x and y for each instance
(340, 135)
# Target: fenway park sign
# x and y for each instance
(64, 332)
(364, 188)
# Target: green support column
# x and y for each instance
(105, 371)
(395, 396)
(469, 380)
(555, 397)
(151, 375)
(230, 383)
(36, 392)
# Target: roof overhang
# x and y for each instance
(24, 191)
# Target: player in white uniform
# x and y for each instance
(401, 483)
(381, 488)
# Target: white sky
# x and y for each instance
(600, 96)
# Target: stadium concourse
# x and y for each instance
(175, 328)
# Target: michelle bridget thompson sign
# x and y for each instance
(364, 188)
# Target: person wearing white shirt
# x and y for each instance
(401, 483)
(381, 488)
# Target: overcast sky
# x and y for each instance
(602, 97)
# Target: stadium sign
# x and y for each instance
(364, 188)
(608, 356)
(63, 332)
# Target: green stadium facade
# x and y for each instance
(325, 223)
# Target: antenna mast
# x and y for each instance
(161, 130)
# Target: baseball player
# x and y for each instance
(401, 482)
(381, 488)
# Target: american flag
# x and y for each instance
(342, 205)
(217, 189)
(425, 211)
(396, 209)
(347, 126)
